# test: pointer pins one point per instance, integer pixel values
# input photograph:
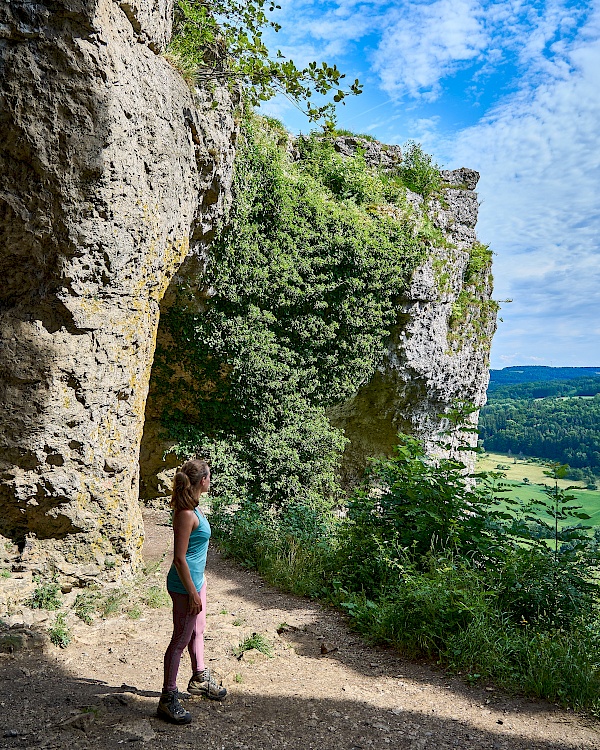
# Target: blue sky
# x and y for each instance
(511, 89)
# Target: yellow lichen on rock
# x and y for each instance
(101, 218)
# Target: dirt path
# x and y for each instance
(101, 692)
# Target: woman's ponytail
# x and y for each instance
(186, 479)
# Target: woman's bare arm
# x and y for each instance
(183, 525)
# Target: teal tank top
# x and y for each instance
(195, 557)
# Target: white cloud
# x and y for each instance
(539, 159)
(424, 42)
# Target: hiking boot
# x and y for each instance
(170, 709)
(203, 683)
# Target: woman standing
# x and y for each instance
(187, 589)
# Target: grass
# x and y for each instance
(5, 573)
(59, 631)
(129, 599)
(534, 489)
(533, 470)
(112, 603)
(152, 568)
(188, 70)
(352, 134)
(134, 613)
(156, 597)
(257, 641)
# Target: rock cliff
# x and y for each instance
(111, 172)
(438, 353)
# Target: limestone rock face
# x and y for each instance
(111, 173)
(438, 353)
(375, 154)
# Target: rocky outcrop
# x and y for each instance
(112, 175)
(111, 172)
(438, 354)
(375, 154)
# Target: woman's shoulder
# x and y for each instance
(183, 512)
(184, 517)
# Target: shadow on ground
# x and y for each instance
(42, 706)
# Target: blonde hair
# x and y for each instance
(187, 477)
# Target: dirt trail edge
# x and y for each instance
(322, 688)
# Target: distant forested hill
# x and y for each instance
(554, 419)
(580, 386)
(536, 373)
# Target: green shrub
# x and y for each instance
(60, 633)
(410, 507)
(419, 173)
(46, 596)
(347, 178)
(480, 262)
(343, 131)
(304, 282)
(85, 606)
(112, 603)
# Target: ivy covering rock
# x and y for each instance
(290, 315)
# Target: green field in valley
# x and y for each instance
(516, 472)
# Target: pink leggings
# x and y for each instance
(188, 630)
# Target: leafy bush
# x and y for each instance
(424, 608)
(480, 260)
(347, 178)
(418, 171)
(303, 289)
(60, 633)
(46, 596)
(412, 506)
